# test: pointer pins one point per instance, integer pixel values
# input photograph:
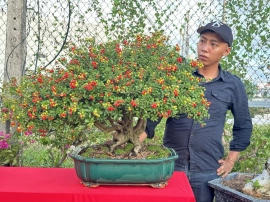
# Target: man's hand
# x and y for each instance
(225, 168)
(142, 137)
(227, 163)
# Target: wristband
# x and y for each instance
(230, 159)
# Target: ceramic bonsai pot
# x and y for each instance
(226, 194)
(154, 172)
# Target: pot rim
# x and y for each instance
(78, 157)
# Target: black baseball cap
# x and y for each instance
(223, 30)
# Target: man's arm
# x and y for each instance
(242, 130)
(242, 127)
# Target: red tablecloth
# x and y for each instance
(20, 184)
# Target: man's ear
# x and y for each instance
(227, 51)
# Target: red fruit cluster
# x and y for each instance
(40, 79)
(111, 108)
(90, 85)
(176, 93)
(94, 64)
(74, 62)
(179, 59)
(118, 48)
(117, 103)
(73, 84)
(194, 63)
(133, 103)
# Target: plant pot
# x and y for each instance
(154, 172)
(226, 194)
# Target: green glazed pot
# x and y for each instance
(154, 172)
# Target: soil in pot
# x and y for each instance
(125, 151)
(239, 182)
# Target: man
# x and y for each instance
(200, 149)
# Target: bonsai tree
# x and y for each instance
(115, 87)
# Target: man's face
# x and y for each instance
(211, 47)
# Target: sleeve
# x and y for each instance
(242, 128)
(150, 127)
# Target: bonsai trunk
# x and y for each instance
(123, 131)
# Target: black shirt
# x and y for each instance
(202, 146)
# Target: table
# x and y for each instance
(22, 184)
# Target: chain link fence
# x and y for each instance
(51, 24)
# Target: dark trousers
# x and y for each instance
(199, 184)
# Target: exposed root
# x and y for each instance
(119, 139)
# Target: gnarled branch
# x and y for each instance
(107, 129)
